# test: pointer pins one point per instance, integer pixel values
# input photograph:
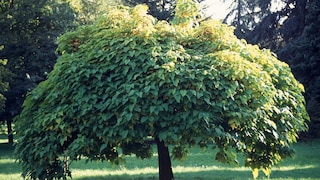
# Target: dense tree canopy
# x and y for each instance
(129, 79)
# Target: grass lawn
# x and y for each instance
(200, 165)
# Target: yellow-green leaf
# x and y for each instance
(267, 172)
(255, 173)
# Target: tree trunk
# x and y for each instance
(10, 135)
(165, 170)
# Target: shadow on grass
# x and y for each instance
(122, 177)
(308, 172)
(7, 161)
(6, 150)
(305, 166)
(10, 168)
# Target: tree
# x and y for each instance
(5, 78)
(28, 32)
(246, 15)
(303, 56)
(129, 80)
(259, 22)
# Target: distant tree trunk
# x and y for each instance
(165, 170)
(239, 14)
(238, 24)
(10, 135)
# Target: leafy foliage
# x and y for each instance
(86, 12)
(129, 78)
(162, 10)
(291, 32)
(165, 9)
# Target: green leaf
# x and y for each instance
(177, 97)
(103, 147)
(152, 109)
(124, 134)
(163, 136)
(183, 92)
(144, 119)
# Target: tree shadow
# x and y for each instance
(301, 168)
(7, 161)
(10, 168)
(308, 172)
(122, 177)
(6, 150)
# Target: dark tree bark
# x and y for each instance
(8, 118)
(165, 170)
(10, 135)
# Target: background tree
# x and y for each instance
(28, 34)
(5, 78)
(129, 80)
(303, 55)
(268, 24)
(245, 15)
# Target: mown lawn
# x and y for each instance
(200, 165)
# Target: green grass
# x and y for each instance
(200, 165)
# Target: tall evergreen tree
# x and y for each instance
(303, 55)
(246, 15)
(268, 24)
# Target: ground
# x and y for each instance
(200, 165)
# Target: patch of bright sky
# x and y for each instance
(218, 9)
(277, 5)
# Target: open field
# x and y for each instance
(200, 165)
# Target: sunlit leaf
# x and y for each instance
(255, 173)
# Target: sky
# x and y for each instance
(217, 8)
